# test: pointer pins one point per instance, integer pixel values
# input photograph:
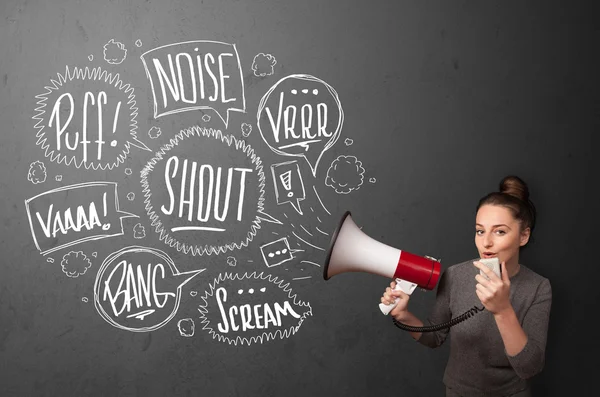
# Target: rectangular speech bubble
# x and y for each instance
(195, 75)
(73, 214)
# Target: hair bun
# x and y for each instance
(516, 187)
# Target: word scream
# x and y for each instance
(251, 317)
(204, 181)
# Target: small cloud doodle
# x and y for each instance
(345, 174)
(246, 129)
(348, 141)
(139, 231)
(131, 196)
(372, 180)
(114, 52)
(186, 327)
(58, 178)
(206, 118)
(138, 43)
(231, 261)
(37, 172)
(263, 64)
(154, 132)
(75, 264)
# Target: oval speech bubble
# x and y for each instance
(300, 116)
(204, 192)
(251, 308)
(139, 289)
(87, 117)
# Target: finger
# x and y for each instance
(480, 279)
(504, 272)
(398, 293)
(486, 270)
(483, 290)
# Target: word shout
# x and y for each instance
(204, 192)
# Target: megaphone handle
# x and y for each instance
(406, 286)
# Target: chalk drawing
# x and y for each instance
(289, 187)
(228, 317)
(91, 213)
(81, 139)
(300, 122)
(37, 172)
(186, 327)
(195, 75)
(75, 264)
(345, 174)
(263, 64)
(114, 52)
(182, 215)
(138, 289)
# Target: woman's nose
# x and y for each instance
(487, 241)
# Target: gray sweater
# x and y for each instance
(478, 364)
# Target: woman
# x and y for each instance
(496, 351)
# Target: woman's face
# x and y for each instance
(498, 234)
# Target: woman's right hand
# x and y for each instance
(389, 297)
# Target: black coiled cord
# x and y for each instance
(437, 327)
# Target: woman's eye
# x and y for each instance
(500, 232)
(479, 232)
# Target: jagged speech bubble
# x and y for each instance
(139, 288)
(300, 116)
(251, 308)
(87, 117)
(204, 192)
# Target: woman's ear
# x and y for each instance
(525, 234)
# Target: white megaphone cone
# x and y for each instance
(351, 250)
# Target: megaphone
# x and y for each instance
(351, 250)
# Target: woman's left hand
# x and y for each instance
(493, 293)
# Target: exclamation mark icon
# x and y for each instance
(286, 181)
(288, 184)
(116, 118)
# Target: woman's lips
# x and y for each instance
(488, 255)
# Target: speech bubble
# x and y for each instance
(251, 308)
(139, 288)
(87, 117)
(289, 187)
(204, 192)
(69, 215)
(193, 75)
(300, 116)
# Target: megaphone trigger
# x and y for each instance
(405, 286)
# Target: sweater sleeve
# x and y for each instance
(530, 361)
(440, 313)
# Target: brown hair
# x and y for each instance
(514, 195)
